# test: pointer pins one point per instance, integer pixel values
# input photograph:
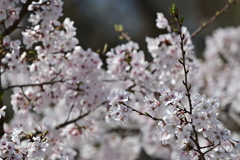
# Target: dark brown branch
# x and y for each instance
(185, 81)
(76, 119)
(144, 114)
(22, 13)
(72, 121)
(210, 149)
(205, 24)
(69, 112)
(211, 145)
(183, 62)
(32, 85)
(29, 100)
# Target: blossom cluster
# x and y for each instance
(35, 148)
(181, 127)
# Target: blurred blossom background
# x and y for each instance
(94, 19)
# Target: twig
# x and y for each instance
(69, 113)
(217, 14)
(72, 121)
(119, 29)
(125, 35)
(76, 119)
(144, 114)
(211, 145)
(29, 100)
(183, 61)
(185, 81)
(210, 149)
(32, 85)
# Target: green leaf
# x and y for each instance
(44, 140)
(121, 37)
(105, 47)
(174, 9)
(98, 50)
(148, 114)
(175, 30)
(58, 28)
(182, 19)
(31, 52)
(118, 27)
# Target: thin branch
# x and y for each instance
(22, 13)
(217, 14)
(183, 62)
(76, 119)
(32, 85)
(210, 149)
(144, 114)
(29, 100)
(69, 113)
(185, 81)
(197, 143)
(72, 121)
(211, 145)
(125, 35)
(21, 27)
(119, 29)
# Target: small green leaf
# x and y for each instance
(118, 27)
(44, 140)
(98, 50)
(121, 37)
(147, 114)
(58, 28)
(31, 52)
(175, 30)
(105, 47)
(204, 24)
(174, 10)
(182, 19)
